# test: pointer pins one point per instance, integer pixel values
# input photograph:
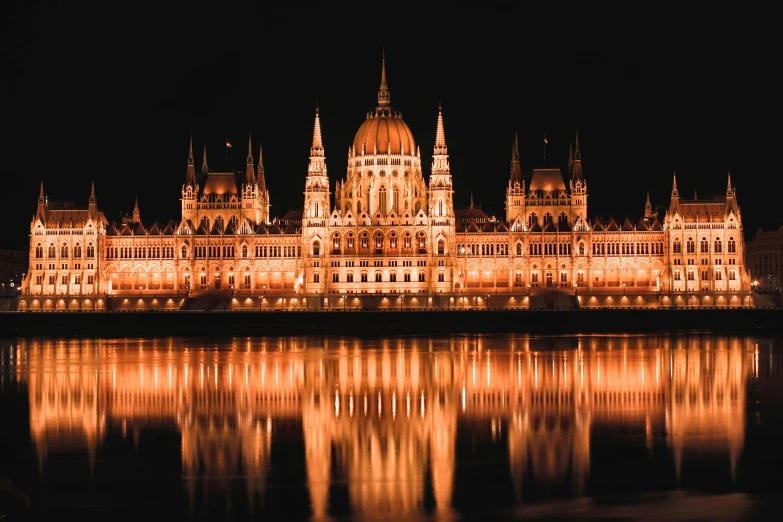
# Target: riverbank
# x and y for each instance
(176, 323)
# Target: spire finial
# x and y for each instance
(728, 187)
(516, 169)
(384, 97)
(577, 153)
(190, 150)
(41, 192)
(204, 166)
(92, 192)
(250, 175)
(260, 179)
(515, 149)
(471, 199)
(440, 136)
(675, 193)
(317, 143)
(570, 154)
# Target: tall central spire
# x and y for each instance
(384, 98)
(516, 168)
(250, 178)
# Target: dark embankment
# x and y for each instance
(124, 324)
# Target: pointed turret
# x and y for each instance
(93, 203)
(440, 180)
(570, 156)
(576, 173)
(516, 169)
(136, 212)
(250, 175)
(675, 193)
(729, 191)
(471, 199)
(317, 159)
(384, 97)
(260, 179)
(41, 213)
(204, 166)
(190, 177)
(648, 207)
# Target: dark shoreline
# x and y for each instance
(181, 323)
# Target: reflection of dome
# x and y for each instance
(385, 132)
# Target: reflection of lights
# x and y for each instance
(464, 398)
(336, 404)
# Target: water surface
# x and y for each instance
(619, 427)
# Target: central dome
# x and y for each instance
(384, 133)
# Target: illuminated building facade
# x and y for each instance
(386, 237)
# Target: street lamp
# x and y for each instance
(487, 304)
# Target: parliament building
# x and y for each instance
(387, 237)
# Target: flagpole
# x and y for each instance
(226, 154)
(545, 142)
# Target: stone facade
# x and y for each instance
(390, 239)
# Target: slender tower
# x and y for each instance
(515, 193)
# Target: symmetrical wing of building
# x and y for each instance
(388, 237)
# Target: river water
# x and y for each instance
(485, 427)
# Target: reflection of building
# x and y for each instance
(765, 259)
(386, 229)
(376, 418)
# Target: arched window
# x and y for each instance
(359, 207)
(184, 252)
(336, 243)
(396, 200)
(349, 277)
(547, 218)
(382, 200)
(732, 246)
(378, 277)
(316, 209)
(718, 275)
(421, 243)
(365, 240)
(350, 239)
(77, 251)
(90, 250)
(677, 247)
(441, 247)
(732, 275)
(393, 240)
(379, 241)
(691, 246)
(244, 250)
(52, 251)
(316, 248)
(347, 207)
(704, 246)
(532, 219)
(64, 251)
(38, 251)
(581, 249)
(440, 207)
(677, 275)
(718, 246)
(519, 249)
(563, 219)
(407, 241)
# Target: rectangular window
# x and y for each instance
(316, 277)
(335, 277)
(563, 277)
(421, 277)
(51, 279)
(90, 279)
(77, 279)
(441, 277)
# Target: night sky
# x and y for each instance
(98, 93)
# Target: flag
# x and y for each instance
(228, 144)
(546, 141)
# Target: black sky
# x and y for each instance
(106, 93)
